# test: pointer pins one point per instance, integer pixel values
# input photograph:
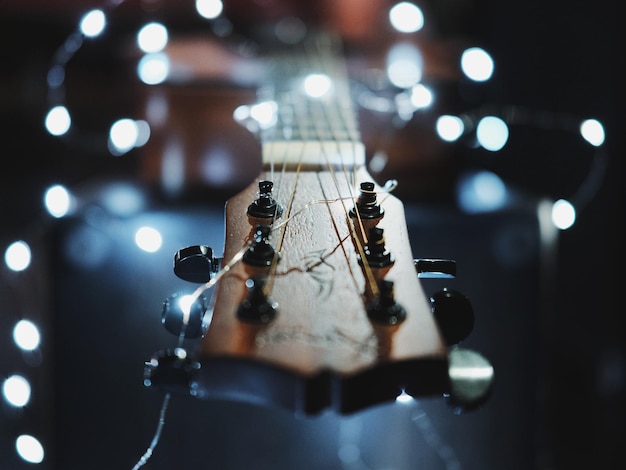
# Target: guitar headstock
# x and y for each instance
(317, 301)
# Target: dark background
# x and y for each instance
(548, 310)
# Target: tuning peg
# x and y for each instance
(430, 268)
(376, 253)
(471, 379)
(454, 315)
(367, 205)
(195, 263)
(171, 370)
(260, 253)
(184, 316)
(257, 307)
(265, 207)
(384, 309)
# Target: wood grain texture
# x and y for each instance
(319, 285)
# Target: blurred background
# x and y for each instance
(121, 143)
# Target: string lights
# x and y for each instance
(404, 71)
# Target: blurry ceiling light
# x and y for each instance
(152, 37)
(57, 201)
(406, 17)
(17, 256)
(92, 23)
(265, 113)
(26, 335)
(317, 85)
(492, 133)
(148, 239)
(404, 398)
(29, 448)
(593, 132)
(16, 391)
(209, 9)
(563, 214)
(58, 120)
(477, 64)
(153, 68)
(450, 128)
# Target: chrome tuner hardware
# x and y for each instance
(432, 268)
(195, 263)
(182, 318)
(257, 308)
(265, 207)
(384, 309)
(367, 204)
(454, 315)
(376, 253)
(471, 380)
(260, 253)
(171, 370)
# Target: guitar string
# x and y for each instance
(369, 275)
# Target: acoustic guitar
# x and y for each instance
(317, 302)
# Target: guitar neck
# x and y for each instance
(314, 122)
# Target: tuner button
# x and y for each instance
(183, 319)
(384, 309)
(428, 268)
(257, 308)
(454, 315)
(471, 379)
(195, 263)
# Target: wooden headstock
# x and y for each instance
(318, 303)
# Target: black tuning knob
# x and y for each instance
(367, 205)
(265, 207)
(260, 253)
(171, 370)
(454, 315)
(257, 308)
(430, 268)
(195, 263)
(184, 316)
(384, 309)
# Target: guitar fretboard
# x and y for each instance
(309, 129)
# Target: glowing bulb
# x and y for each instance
(406, 17)
(209, 9)
(29, 448)
(16, 391)
(58, 120)
(477, 64)
(421, 97)
(265, 113)
(152, 37)
(563, 214)
(26, 335)
(153, 68)
(492, 133)
(57, 201)
(317, 85)
(450, 128)
(17, 256)
(148, 239)
(592, 131)
(404, 398)
(93, 23)
(124, 134)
